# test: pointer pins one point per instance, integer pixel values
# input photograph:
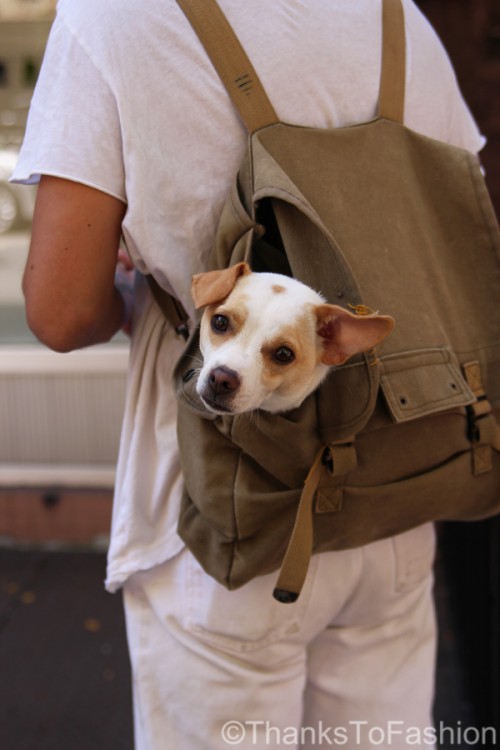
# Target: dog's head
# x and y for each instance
(268, 340)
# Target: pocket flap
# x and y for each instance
(423, 382)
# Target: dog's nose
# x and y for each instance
(223, 381)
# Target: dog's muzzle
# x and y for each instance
(220, 388)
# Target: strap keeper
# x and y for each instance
(339, 459)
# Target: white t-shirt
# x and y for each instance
(127, 102)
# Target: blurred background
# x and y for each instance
(65, 677)
(63, 661)
(468, 582)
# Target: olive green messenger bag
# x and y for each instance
(377, 217)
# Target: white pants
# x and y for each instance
(350, 664)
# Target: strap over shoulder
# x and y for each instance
(393, 75)
(243, 85)
(231, 62)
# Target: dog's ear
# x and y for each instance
(212, 287)
(345, 334)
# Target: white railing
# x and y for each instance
(60, 415)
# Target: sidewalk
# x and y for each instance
(65, 676)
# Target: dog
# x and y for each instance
(269, 340)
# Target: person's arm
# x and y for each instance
(68, 283)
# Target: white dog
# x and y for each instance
(268, 340)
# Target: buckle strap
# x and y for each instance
(170, 307)
(337, 460)
(483, 430)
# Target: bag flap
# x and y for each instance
(423, 382)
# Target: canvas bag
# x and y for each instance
(373, 215)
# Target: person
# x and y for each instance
(133, 140)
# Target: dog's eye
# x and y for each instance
(283, 355)
(220, 323)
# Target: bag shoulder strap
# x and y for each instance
(242, 82)
(231, 63)
(393, 74)
(171, 308)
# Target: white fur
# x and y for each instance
(267, 314)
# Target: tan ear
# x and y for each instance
(214, 286)
(346, 334)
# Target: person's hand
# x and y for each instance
(124, 282)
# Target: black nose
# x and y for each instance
(223, 381)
